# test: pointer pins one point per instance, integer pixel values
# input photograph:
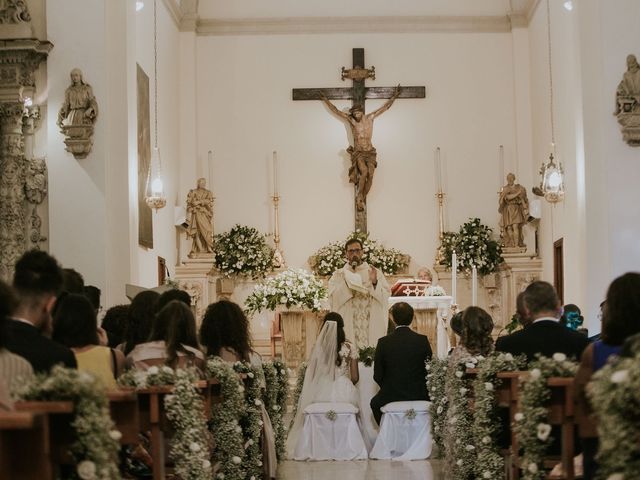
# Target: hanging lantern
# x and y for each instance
(552, 184)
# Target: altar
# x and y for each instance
(431, 319)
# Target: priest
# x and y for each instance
(360, 293)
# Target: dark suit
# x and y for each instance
(42, 353)
(545, 337)
(399, 368)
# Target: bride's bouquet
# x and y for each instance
(292, 288)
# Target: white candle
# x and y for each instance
(210, 166)
(454, 276)
(275, 173)
(438, 170)
(501, 175)
(474, 285)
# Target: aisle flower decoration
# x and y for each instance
(614, 393)
(251, 419)
(436, 379)
(275, 398)
(297, 391)
(190, 444)
(225, 417)
(486, 420)
(242, 251)
(95, 451)
(532, 426)
(331, 257)
(292, 288)
(474, 245)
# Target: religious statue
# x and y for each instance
(362, 152)
(628, 102)
(514, 209)
(200, 219)
(78, 115)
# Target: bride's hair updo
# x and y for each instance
(336, 317)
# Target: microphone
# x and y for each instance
(354, 264)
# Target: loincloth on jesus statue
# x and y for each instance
(363, 165)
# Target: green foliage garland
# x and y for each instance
(276, 395)
(298, 391)
(243, 251)
(474, 245)
(251, 419)
(95, 450)
(436, 379)
(532, 427)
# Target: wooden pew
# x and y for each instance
(507, 397)
(123, 407)
(24, 446)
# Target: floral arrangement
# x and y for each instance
(435, 291)
(242, 251)
(275, 399)
(474, 245)
(436, 379)
(411, 414)
(459, 443)
(293, 287)
(298, 391)
(331, 415)
(614, 393)
(486, 423)
(227, 432)
(331, 257)
(366, 355)
(191, 442)
(95, 450)
(251, 419)
(532, 427)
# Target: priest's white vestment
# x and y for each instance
(363, 307)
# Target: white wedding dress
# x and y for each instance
(324, 382)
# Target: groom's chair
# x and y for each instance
(405, 432)
(330, 432)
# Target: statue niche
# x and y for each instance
(78, 116)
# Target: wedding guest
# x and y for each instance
(571, 317)
(173, 341)
(399, 364)
(93, 293)
(543, 333)
(115, 324)
(72, 281)
(37, 280)
(225, 333)
(173, 294)
(621, 321)
(140, 317)
(12, 367)
(75, 326)
(475, 338)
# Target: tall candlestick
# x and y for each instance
(454, 276)
(501, 174)
(210, 166)
(474, 285)
(438, 170)
(275, 173)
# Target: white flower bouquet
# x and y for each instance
(474, 245)
(243, 251)
(293, 288)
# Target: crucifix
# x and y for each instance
(363, 154)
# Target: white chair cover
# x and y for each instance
(401, 437)
(326, 439)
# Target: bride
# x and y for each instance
(331, 374)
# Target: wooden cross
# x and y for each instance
(357, 93)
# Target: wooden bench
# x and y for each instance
(24, 446)
(123, 408)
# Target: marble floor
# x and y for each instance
(362, 470)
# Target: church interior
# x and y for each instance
(184, 90)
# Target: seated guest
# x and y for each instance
(173, 294)
(140, 317)
(173, 341)
(543, 333)
(115, 323)
(225, 333)
(475, 338)
(620, 321)
(571, 317)
(12, 366)
(72, 281)
(93, 293)
(399, 363)
(37, 281)
(75, 325)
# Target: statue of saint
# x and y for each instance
(200, 218)
(514, 208)
(79, 106)
(628, 91)
(363, 154)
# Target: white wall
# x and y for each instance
(245, 111)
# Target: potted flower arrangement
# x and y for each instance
(243, 251)
(474, 245)
(331, 257)
(292, 288)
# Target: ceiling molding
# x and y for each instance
(518, 20)
(320, 25)
(174, 11)
(533, 5)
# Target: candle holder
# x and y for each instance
(278, 256)
(440, 196)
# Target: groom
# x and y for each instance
(399, 364)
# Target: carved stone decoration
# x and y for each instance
(194, 289)
(78, 115)
(628, 102)
(14, 11)
(36, 187)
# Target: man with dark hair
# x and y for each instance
(540, 310)
(360, 294)
(37, 281)
(173, 294)
(399, 363)
(72, 281)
